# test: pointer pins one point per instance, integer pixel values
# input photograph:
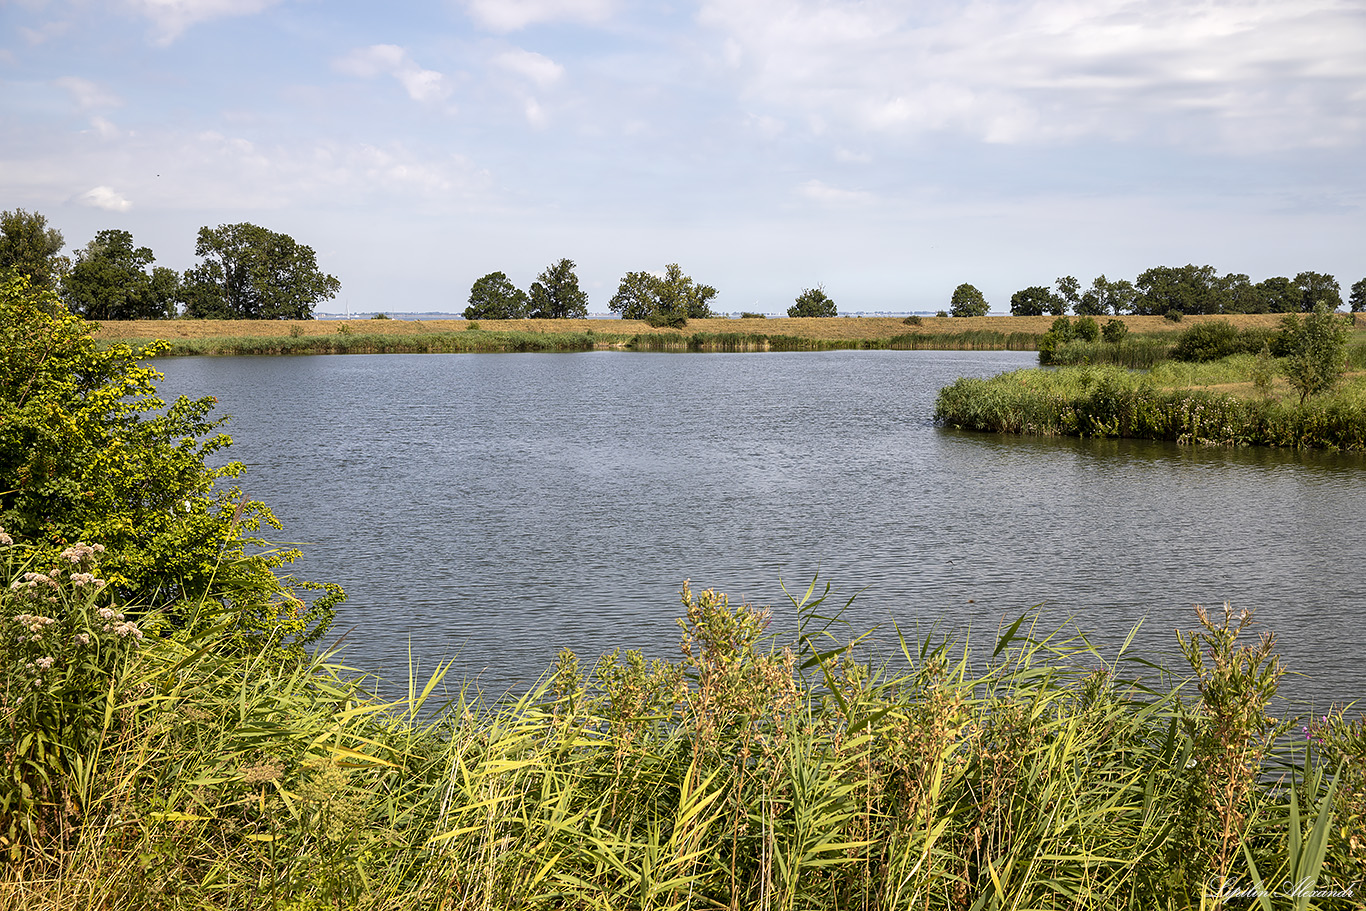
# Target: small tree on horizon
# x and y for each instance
(968, 301)
(813, 302)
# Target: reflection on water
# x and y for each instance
(499, 507)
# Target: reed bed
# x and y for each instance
(745, 774)
(1106, 401)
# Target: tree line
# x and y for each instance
(244, 272)
(1171, 291)
(249, 272)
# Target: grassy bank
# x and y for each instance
(417, 336)
(1213, 403)
(151, 770)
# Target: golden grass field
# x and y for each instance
(865, 327)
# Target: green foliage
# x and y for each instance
(380, 316)
(812, 302)
(1317, 354)
(495, 297)
(555, 294)
(1318, 290)
(1086, 329)
(750, 772)
(63, 660)
(1035, 301)
(968, 301)
(249, 272)
(748, 315)
(1357, 299)
(912, 320)
(1172, 315)
(89, 453)
(1108, 401)
(1114, 331)
(29, 247)
(110, 281)
(670, 299)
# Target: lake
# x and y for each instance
(495, 508)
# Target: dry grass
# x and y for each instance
(865, 327)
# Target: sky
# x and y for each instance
(885, 150)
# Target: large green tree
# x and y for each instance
(1035, 300)
(1279, 294)
(1186, 289)
(1357, 299)
(29, 247)
(495, 297)
(249, 272)
(1318, 288)
(1106, 296)
(556, 295)
(89, 453)
(672, 298)
(968, 301)
(110, 280)
(813, 302)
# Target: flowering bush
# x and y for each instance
(62, 663)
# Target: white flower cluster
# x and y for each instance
(5, 540)
(114, 623)
(33, 626)
(80, 552)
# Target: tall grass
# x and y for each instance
(746, 774)
(378, 343)
(1137, 352)
(1111, 402)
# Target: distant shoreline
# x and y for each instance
(371, 335)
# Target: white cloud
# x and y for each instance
(823, 193)
(1239, 73)
(87, 94)
(511, 15)
(103, 128)
(531, 66)
(104, 198)
(170, 18)
(391, 60)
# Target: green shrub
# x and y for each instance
(1173, 315)
(1207, 341)
(1114, 331)
(1085, 328)
(89, 453)
(667, 319)
(912, 320)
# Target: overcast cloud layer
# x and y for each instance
(887, 150)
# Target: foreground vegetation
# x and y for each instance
(150, 768)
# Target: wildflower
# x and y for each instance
(79, 579)
(109, 614)
(5, 540)
(82, 638)
(44, 663)
(128, 628)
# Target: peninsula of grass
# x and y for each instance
(394, 336)
(1212, 403)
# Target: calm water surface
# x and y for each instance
(495, 508)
